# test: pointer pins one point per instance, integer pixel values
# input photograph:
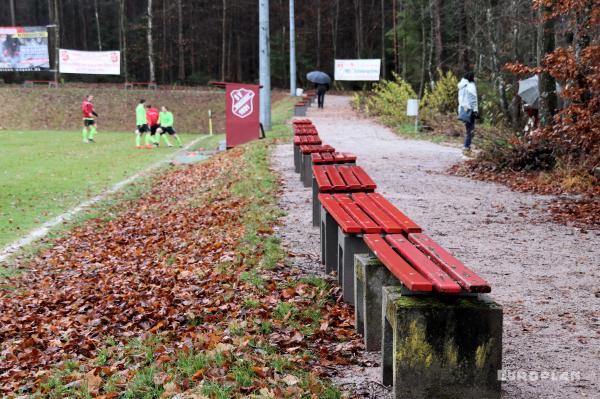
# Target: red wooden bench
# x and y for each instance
(464, 276)
(305, 152)
(300, 109)
(132, 85)
(302, 122)
(31, 83)
(345, 218)
(333, 158)
(323, 159)
(303, 140)
(337, 178)
(305, 130)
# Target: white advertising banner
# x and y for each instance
(90, 62)
(358, 70)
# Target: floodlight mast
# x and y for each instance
(265, 65)
(292, 50)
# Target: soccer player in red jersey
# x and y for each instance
(152, 116)
(89, 119)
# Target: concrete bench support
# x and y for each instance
(348, 246)
(299, 110)
(306, 169)
(329, 241)
(297, 155)
(316, 206)
(441, 346)
(370, 276)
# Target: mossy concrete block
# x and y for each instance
(306, 171)
(299, 110)
(316, 214)
(297, 156)
(370, 276)
(348, 246)
(442, 346)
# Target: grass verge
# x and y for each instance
(252, 329)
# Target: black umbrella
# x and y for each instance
(318, 77)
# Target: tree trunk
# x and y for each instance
(56, 38)
(547, 84)
(423, 52)
(383, 57)
(13, 18)
(180, 44)
(395, 32)
(123, 37)
(83, 26)
(436, 20)
(334, 28)
(319, 34)
(97, 17)
(357, 27)
(224, 40)
(152, 72)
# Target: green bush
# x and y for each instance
(444, 96)
(388, 100)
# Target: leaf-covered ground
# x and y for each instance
(577, 197)
(185, 292)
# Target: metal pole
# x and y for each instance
(265, 65)
(292, 50)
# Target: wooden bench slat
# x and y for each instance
(396, 265)
(351, 181)
(327, 156)
(316, 157)
(322, 179)
(342, 218)
(334, 176)
(407, 224)
(441, 281)
(364, 178)
(388, 224)
(448, 263)
(311, 149)
(367, 224)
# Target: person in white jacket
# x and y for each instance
(468, 104)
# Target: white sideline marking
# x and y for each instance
(41, 231)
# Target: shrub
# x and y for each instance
(444, 96)
(388, 100)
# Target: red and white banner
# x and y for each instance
(90, 62)
(358, 70)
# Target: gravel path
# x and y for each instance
(547, 276)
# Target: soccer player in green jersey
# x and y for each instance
(166, 121)
(141, 123)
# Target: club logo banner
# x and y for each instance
(358, 70)
(24, 49)
(90, 62)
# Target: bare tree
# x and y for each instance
(97, 17)
(150, 44)
(123, 38)
(13, 19)
(437, 31)
(383, 57)
(318, 34)
(180, 44)
(547, 84)
(224, 41)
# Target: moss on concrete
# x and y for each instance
(451, 353)
(414, 350)
(482, 353)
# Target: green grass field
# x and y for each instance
(43, 174)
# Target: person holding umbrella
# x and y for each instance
(468, 108)
(322, 82)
